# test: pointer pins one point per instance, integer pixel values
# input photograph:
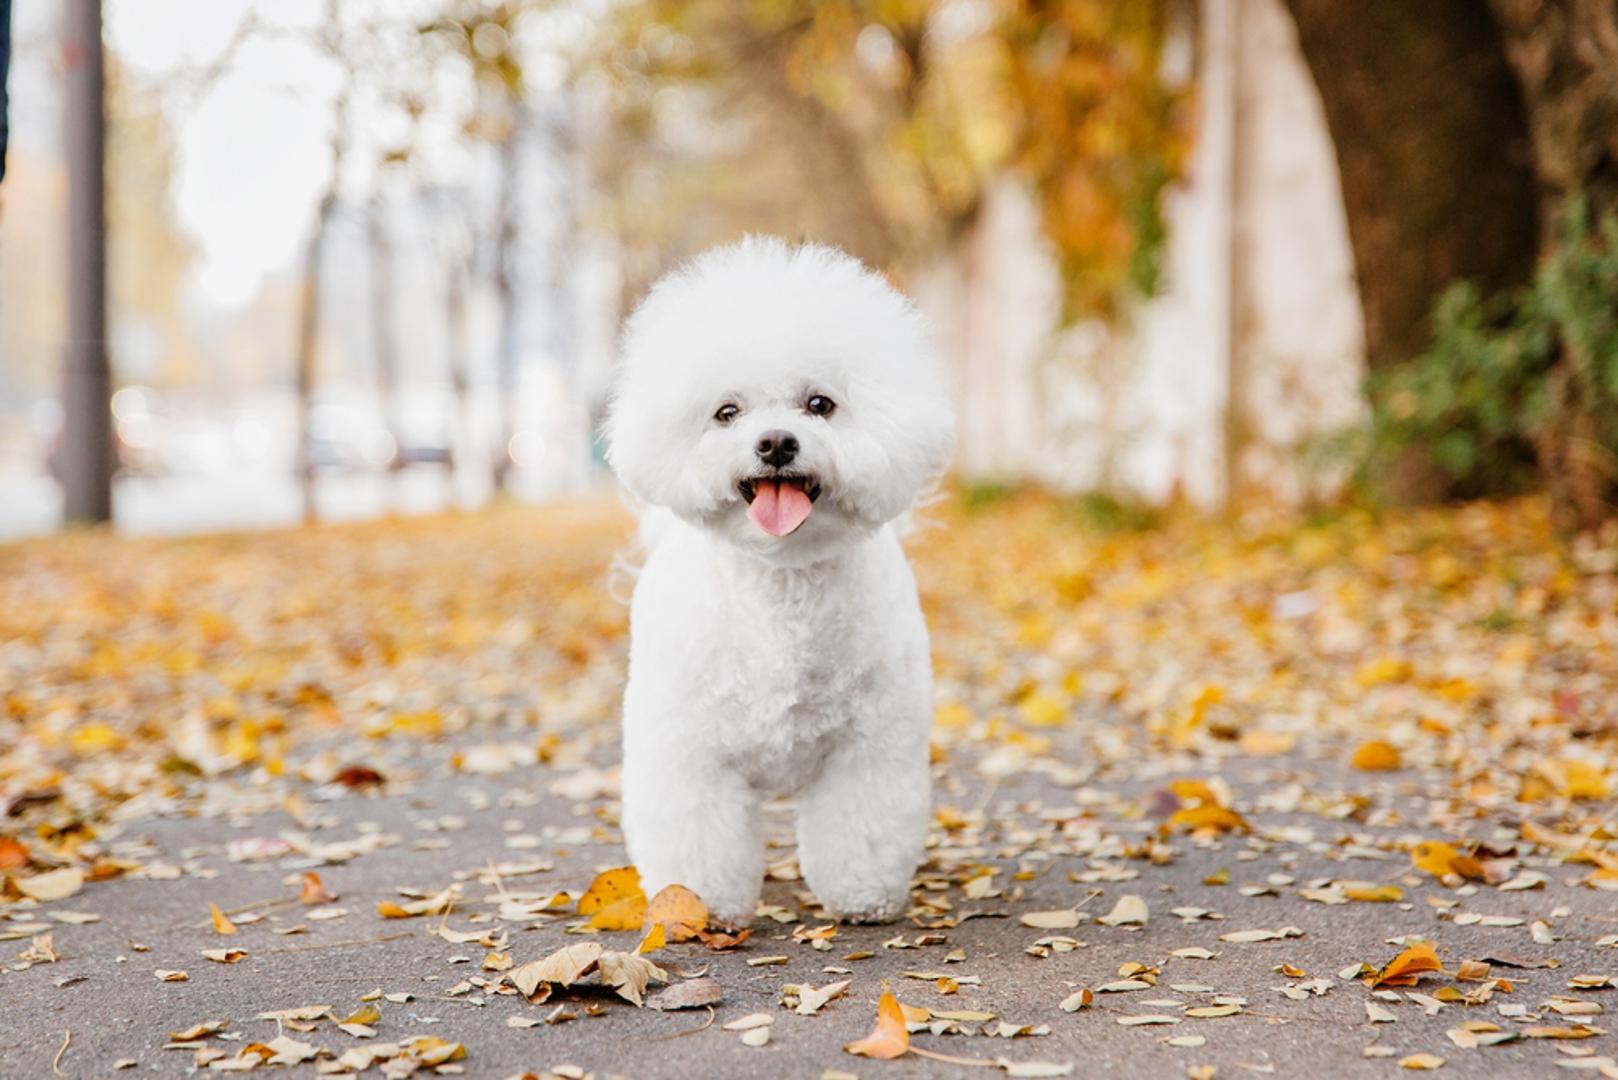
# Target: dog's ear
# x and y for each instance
(642, 441)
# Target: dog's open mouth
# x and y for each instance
(779, 504)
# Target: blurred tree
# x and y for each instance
(485, 35)
(5, 71)
(1463, 133)
(149, 253)
(87, 453)
(382, 255)
(877, 124)
(1432, 148)
(1565, 55)
(333, 39)
(384, 316)
(1102, 135)
(1432, 145)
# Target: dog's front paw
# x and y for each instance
(868, 913)
(730, 917)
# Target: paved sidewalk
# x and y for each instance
(1301, 748)
(440, 825)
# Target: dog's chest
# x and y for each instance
(784, 690)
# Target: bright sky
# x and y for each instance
(253, 152)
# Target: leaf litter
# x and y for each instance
(1464, 651)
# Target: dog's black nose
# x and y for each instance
(777, 448)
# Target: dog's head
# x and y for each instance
(783, 397)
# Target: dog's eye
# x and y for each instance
(727, 412)
(820, 405)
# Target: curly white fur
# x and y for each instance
(763, 664)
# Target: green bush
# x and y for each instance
(1520, 390)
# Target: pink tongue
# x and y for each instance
(778, 508)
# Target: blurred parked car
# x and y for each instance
(344, 434)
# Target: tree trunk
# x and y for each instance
(1432, 145)
(505, 290)
(1565, 55)
(384, 325)
(314, 261)
(308, 344)
(460, 376)
(86, 454)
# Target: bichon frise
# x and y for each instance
(778, 408)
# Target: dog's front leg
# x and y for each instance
(862, 827)
(689, 820)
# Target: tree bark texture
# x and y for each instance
(1565, 56)
(1433, 149)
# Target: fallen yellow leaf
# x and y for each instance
(609, 887)
(1376, 756)
(1421, 1061)
(628, 913)
(221, 923)
(1374, 894)
(1407, 967)
(437, 904)
(888, 1039)
(679, 911)
(654, 940)
(313, 890)
(1440, 860)
(1208, 816)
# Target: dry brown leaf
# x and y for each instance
(41, 950)
(52, 884)
(1130, 910)
(437, 904)
(810, 999)
(629, 974)
(1079, 999)
(432, 1051)
(563, 967)
(688, 994)
(720, 941)
(1060, 919)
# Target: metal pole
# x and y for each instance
(87, 452)
(5, 67)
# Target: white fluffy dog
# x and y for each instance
(778, 408)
